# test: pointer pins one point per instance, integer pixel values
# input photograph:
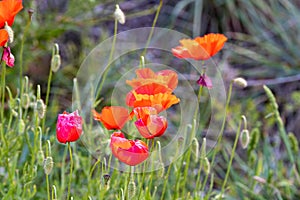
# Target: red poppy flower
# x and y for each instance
(8, 57)
(3, 37)
(145, 76)
(201, 48)
(129, 152)
(112, 117)
(8, 11)
(68, 127)
(149, 124)
(160, 101)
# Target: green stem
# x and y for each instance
(47, 96)
(153, 26)
(21, 56)
(165, 182)
(231, 158)
(47, 177)
(109, 59)
(3, 74)
(71, 170)
(220, 134)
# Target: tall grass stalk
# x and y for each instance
(232, 156)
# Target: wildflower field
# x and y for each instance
(186, 99)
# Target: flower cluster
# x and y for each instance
(151, 94)
(8, 10)
(201, 48)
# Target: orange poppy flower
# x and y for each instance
(8, 11)
(3, 37)
(160, 101)
(149, 124)
(112, 117)
(201, 48)
(145, 76)
(130, 152)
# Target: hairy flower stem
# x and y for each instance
(21, 56)
(152, 27)
(3, 74)
(47, 95)
(112, 50)
(217, 148)
(47, 176)
(71, 170)
(193, 134)
(231, 157)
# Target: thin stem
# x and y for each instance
(3, 74)
(153, 26)
(48, 152)
(231, 158)
(47, 96)
(109, 59)
(21, 56)
(71, 170)
(220, 134)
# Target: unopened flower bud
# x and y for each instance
(131, 189)
(244, 138)
(294, 143)
(203, 149)
(240, 82)
(21, 126)
(48, 165)
(25, 100)
(55, 63)
(206, 166)
(40, 157)
(40, 108)
(10, 32)
(119, 15)
(195, 148)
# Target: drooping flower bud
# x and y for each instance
(119, 15)
(244, 138)
(206, 166)
(40, 108)
(131, 189)
(55, 60)
(240, 82)
(40, 157)
(21, 126)
(25, 100)
(294, 143)
(48, 165)
(195, 148)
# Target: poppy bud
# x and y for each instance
(48, 165)
(40, 108)
(240, 82)
(203, 149)
(55, 63)
(206, 166)
(40, 157)
(244, 138)
(119, 15)
(294, 143)
(25, 100)
(21, 126)
(131, 189)
(195, 148)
